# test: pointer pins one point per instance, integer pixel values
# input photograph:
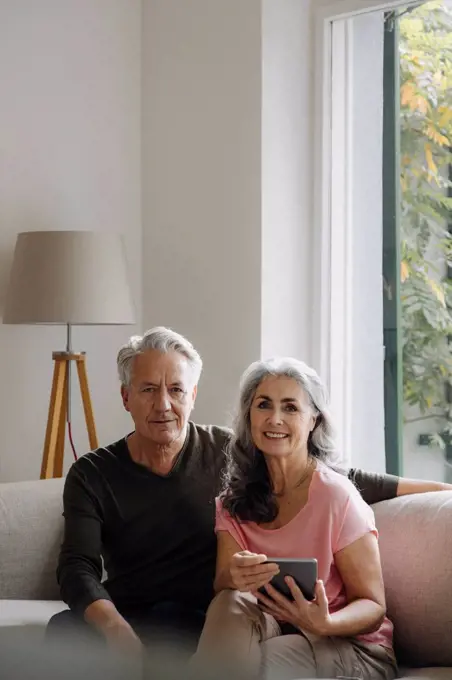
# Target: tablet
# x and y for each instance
(303, 571)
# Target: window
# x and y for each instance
(383, 211)
(417, 141)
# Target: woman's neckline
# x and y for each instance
(312, 483)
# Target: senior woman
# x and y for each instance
(283, 498)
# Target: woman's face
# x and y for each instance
(281, 417)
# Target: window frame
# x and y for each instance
(393, 370)
(331, 242)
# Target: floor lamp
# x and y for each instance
(68, 278)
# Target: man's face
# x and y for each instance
(161, 396)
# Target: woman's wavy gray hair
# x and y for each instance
(322, 440)
(161, 339)
(248, 493)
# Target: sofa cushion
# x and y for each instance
(29, 612)
(416, 552)
(31, 528)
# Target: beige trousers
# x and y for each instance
(240, 641)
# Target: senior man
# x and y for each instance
(143, 507)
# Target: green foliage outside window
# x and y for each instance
(426, 211)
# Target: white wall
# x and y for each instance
(226, 182)
(227, 175)
(69, 159)
(287, 125)
(201, 184)
(71, 83)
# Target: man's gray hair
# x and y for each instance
(161, 339)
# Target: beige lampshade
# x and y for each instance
(68, 277)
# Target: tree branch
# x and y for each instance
(429, 417)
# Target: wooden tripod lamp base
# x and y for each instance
(53, 454)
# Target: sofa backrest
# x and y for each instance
(416, 553)
(415, 546)
(31, 529)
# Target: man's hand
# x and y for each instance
(120, 636)
(249, 571)
(312, 616)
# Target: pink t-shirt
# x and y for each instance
(334, 516)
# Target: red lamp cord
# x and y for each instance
(71, 441)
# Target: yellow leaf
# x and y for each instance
(435, 135)
(442, 140)
(420, 104)
(404, 271)
(409, 96)
(445, 116)
(407, 93)
(438, 291)
(429, 158)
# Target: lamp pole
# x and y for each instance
(68, 387)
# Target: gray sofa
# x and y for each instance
(415, 543)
